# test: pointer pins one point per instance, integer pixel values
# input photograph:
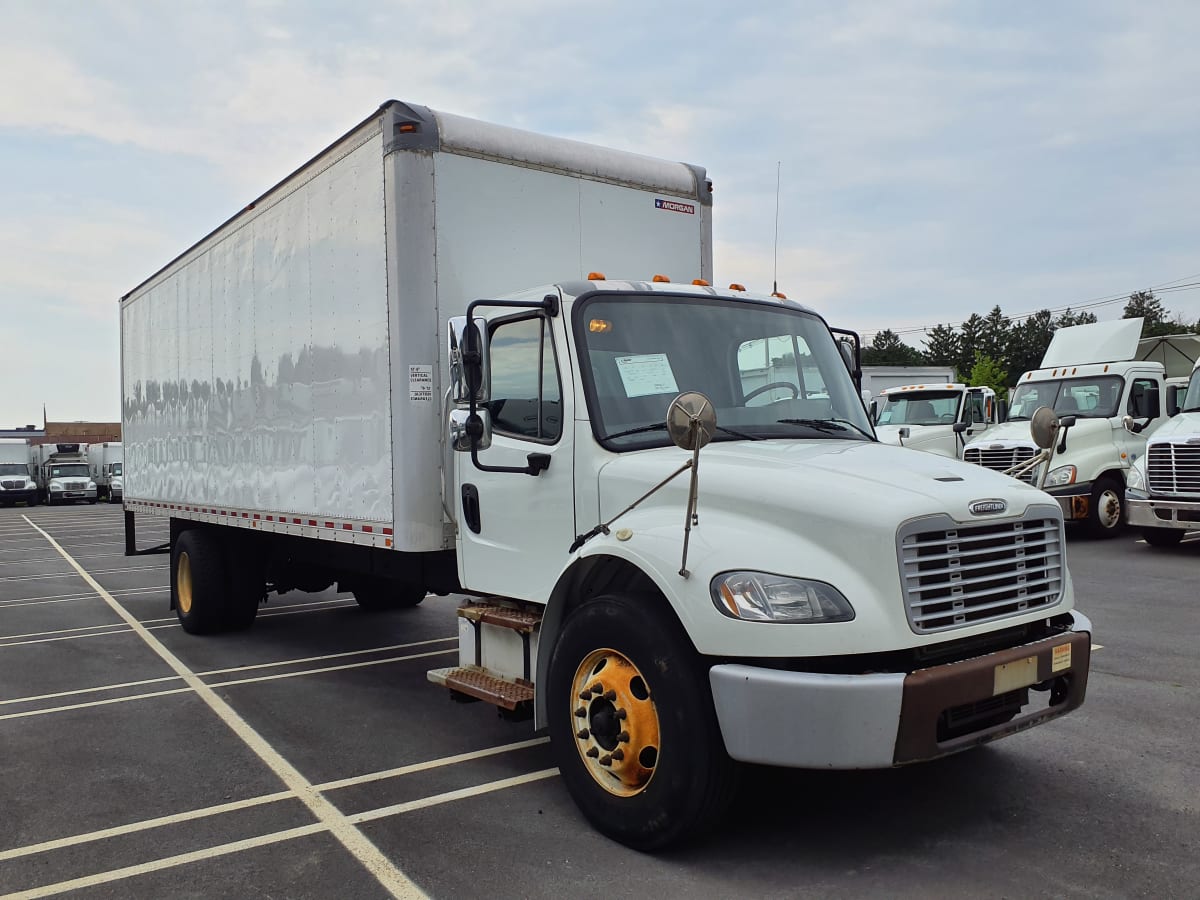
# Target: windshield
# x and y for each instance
(920, 408)
(770, 371)
(13, 469)
(1086, 398)
(116, 469)
(74, 470)
(1191, 401)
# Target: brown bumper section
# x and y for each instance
(955, 706)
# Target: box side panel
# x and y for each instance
(255, 370)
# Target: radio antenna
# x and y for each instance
(775, 270)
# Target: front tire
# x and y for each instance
(1106, 511)
(632, 724)
(1163, 537)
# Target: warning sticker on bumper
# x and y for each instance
(1061, 658)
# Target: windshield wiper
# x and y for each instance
(828, 425)
(662, 426)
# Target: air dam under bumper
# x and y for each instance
(1075, 500)
(818, 721)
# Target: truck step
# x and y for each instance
(512, 694)
(489, 612)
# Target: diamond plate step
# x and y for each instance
(483, 684)
(488, 613)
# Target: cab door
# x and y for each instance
(515, 529)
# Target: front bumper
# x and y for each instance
(1149, 513)
(820, 721)
(73, 495)
(19, 496)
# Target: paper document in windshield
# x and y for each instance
(646, 374)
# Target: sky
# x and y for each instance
(931, 159)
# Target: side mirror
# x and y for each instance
(468, 372)
(463, 424)
(847, 355)
(904, 432)
(1001, 411)
(960, 427)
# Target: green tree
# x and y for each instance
(1068, 318)
(995, 335)
(888, 350)
(941, 346)
(1029, 342)
(989, 372)
(970, 341)
(1154, 315)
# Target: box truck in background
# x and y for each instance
(16, 481)
(353, 382)
(62, 475)
(936, 418)
(106, 462)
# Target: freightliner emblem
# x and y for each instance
(987, 507)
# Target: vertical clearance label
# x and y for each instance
(420, 383)
(674, 206)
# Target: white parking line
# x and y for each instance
(328, 815)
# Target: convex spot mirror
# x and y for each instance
(1042, 427)
(461, 428)
(468, 376)
(691, 420)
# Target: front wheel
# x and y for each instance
(1106, 512)
(1162, 537)
(632, 724)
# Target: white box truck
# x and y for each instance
(936, 418)
(106, 463)
(343, 384)
(1089, 374)
(1163, 485)
(61, 472)
(16, 481)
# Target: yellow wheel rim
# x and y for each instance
(615, 722)
(183, 583)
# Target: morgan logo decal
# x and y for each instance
(987, 507)
(674, 206)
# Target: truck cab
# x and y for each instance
(106, 463)
(1163, 485)
(16, 482)
(936, 418)
(1088, 374)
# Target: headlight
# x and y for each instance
(1060, 476)
(763, 597)
(1134, 479)
(91, 486)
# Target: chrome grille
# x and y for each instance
(957, 575)
(12, 485)
(74, 485)
(1173, 468)
(1000, 460)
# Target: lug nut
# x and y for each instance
(621, 714)
(580, 713)
(623, 737)
(592, 752)
(583, 735)
(611, 696)
(606, 760)
(597, 688)
(586, 695)
(617, 754)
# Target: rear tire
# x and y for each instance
(1106, 511)
(642, 757)
(376, 594)
(1163, 537)
(199, 581)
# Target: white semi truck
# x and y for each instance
(343, 384)
(1089, 374)
(106, 462)
(1163, 487)
(936, 418)
(16, 481)
(61, 472)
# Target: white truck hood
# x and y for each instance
(931, 438)
(864, 485)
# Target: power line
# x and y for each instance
(1167, 287)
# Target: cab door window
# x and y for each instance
(526, 397)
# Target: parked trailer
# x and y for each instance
(341, 384)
